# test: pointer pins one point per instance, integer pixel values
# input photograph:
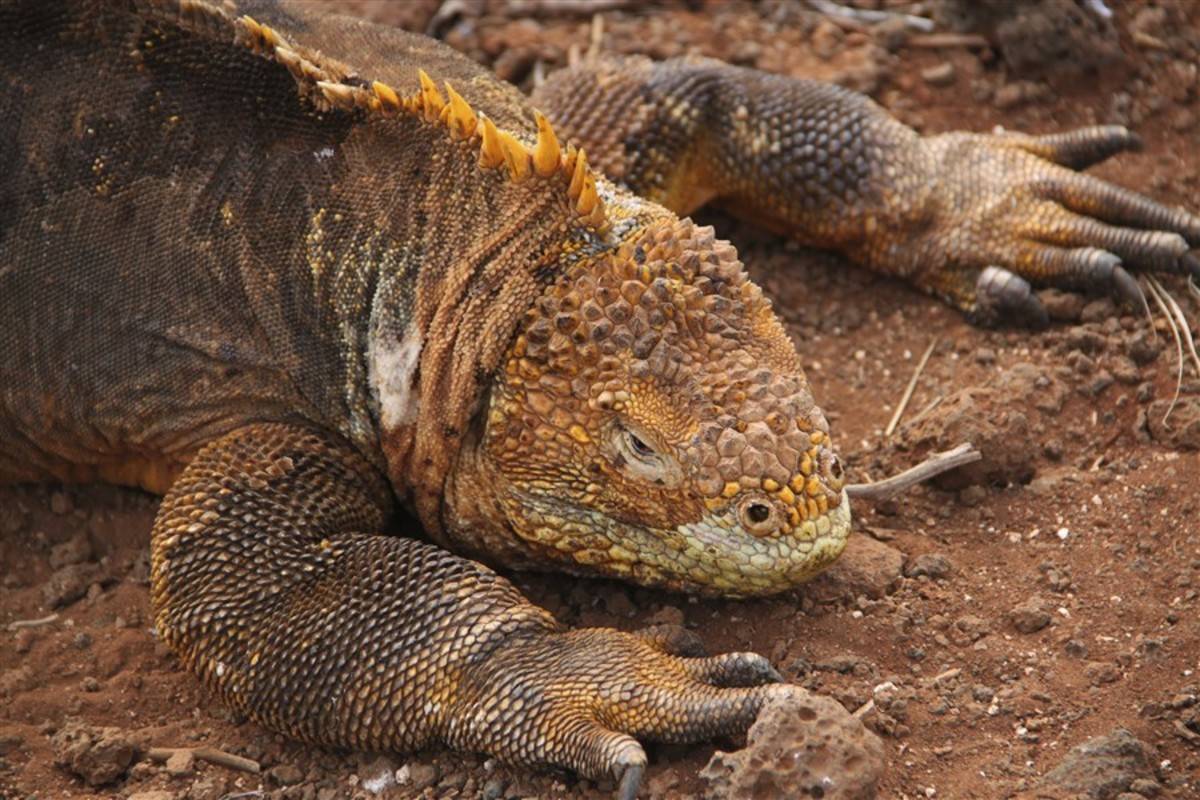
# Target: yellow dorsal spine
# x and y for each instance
(546, 159)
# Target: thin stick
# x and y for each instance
(937, 40)
(1178, 346)
(908, 392)
(924, 412)
(931, 467)
(209, 754)
(870, 16)
(31, 623)
(596, 38)
(1184, 327)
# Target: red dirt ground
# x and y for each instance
(1084, 535)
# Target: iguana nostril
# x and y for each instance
(758, 513)
(835, 467)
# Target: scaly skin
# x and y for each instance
(255, 260)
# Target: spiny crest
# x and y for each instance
(546, 159)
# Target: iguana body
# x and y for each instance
(253, 259)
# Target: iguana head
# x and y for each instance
(652, 422)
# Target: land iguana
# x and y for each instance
(295, 272)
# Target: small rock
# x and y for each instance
(82, 640)
(942, 74)
(153, 794)
(1029, 616)
(494, 789)
(90, 684)
(1146, 787)
(209, 787)
(1102, 380)
(378, 775)
(422, 776)
(1182, 428)
(23, 640)
(1099, 673)
(97, 755)
(60, 503)
(181, 763)
(972, 495)
(1017, 93)
(866, 567)
(1143, 347)
(74, 551)
(286, 774)
(1103, 767)
(1098, 310)
(933, 565)
(10, 742)
(69, 584)
(1125, 371)
(1062, 306)
(802, 745)
(892, 33)
(1076, 648)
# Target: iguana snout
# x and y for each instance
(652, 422)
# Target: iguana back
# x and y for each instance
(187, 243)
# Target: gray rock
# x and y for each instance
(1104, 767)
(802, 745)
(286, 774)
(932, 565)
(69, 584)
(74, 551)
(866, 567)
(1182, 429)
(1029, 616)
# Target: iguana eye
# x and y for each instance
(638, 446)
(637, 458)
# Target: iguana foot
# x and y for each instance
(1012, 214)
(582, 699)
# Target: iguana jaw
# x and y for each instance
(714, 556)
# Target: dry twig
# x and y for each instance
(210, 754)
(931, 467)
(870, 16)
(912, 385)
(31, 623)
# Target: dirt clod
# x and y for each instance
(97, 755)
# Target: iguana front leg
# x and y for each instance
(973, 218)
(271, 582)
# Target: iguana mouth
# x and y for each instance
(712, 556)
